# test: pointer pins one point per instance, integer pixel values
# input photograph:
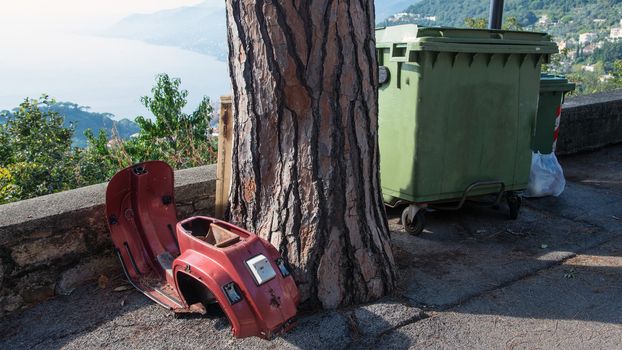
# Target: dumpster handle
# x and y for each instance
(473, 186)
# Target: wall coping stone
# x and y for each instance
(31, 210)
(602, 97)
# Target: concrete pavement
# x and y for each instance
(473, 279)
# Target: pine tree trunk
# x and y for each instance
(305, 154)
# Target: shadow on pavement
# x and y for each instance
(475, 251)
(52, 323)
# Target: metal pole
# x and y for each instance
(496, 14)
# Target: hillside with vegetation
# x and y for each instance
(589, 33)
(201, 28)
(386, 8)
(80, 119)
(571, 15)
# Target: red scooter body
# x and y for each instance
(201, 260)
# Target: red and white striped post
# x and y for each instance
(558, 114)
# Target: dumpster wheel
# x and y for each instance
(514, 202)
(413, 225)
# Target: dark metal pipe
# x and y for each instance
(496, 14)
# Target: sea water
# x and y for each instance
(106, 74)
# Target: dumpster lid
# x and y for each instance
(449, 39)
(550, 82)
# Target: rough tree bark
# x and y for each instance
(305, 154)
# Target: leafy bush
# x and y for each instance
(510, 23)
(37, 158)
(182, 140)
(36, 152)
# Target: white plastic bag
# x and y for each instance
(546, 177)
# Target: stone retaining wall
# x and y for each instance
(49, 245)
(590, 122)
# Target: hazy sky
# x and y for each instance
(60, 47)
(78, 14)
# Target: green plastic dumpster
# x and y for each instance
(552, 91)
(456, 112)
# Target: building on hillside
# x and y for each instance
(605, 78)
(589, 49)
(599, 20)
(400, 15)
(589, 68)
(544, 20)
(586, 38)
(616, 33)
(403, 17)
(571, 44)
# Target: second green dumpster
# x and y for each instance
(456, 111)
(552, 91)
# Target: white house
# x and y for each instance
(589, 50)
(589, 68)
(544, 20)
(586, 38)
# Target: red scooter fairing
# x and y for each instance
(142, 216)
(259, 299)
(198, 261)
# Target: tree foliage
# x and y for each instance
(181, 139)
(36, 152)
(609, 54)
(82, 119)
(37, 157)
(510, 23)
(476, 23)
(595, 82)
(579, 13)
(617, 72)
(564, 20)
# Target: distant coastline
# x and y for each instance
(107, 74)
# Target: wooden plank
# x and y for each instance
(225, 144)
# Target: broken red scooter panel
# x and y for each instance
(201, 260)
